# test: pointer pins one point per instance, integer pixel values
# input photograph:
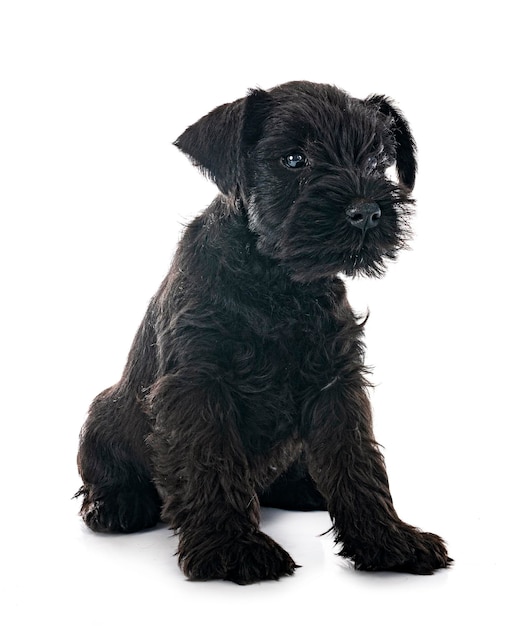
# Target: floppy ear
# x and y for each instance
(405, 146)
(217, 141)
(212, 144)
(256, 110)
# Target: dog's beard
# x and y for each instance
(316, 240)
(352, 252)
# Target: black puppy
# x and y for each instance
(245, 383)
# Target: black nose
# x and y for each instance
(364, 215)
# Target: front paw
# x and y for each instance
(400, 549)
(243, 560)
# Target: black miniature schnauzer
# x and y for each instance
(245, 384)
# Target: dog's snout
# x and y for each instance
(364, 215)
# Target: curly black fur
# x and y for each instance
(245, 383)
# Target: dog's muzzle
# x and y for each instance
(364, 215)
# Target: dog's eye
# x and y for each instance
(371, 164)
(380, 162)
(294, 161)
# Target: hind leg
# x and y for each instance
(127, 510)
(118, 494)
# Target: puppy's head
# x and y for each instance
(309, 164)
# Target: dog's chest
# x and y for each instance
(274, 365)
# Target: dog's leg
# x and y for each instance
(113, 460)
(207, 487)
(349, 470)
(118, 493)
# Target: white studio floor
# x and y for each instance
(93, 199)
(64, 573)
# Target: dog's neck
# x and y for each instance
(231, 256)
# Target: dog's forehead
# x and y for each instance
(328, 116)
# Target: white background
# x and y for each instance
(93, 199)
